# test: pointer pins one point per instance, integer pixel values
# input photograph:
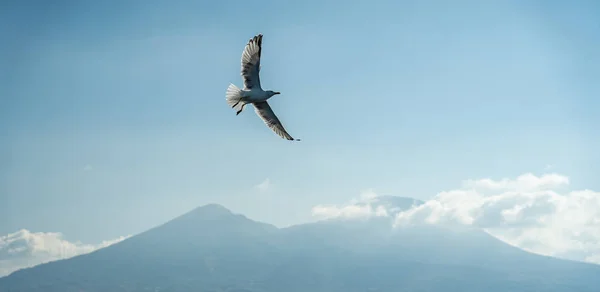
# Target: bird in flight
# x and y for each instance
(252, 92)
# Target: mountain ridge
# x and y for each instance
(211, 248)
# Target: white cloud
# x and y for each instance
(353, 210)
(368, 205)
(348, 211)
(264, 185)
(536, 213)
(26, 249)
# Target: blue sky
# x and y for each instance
(113, 116)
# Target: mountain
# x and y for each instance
(212, 249)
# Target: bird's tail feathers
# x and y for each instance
(234, 97)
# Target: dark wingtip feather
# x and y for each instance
(259, 39)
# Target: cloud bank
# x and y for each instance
(536, 213)
(26, 249)
(367, 206)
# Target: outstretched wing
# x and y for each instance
(264, 111)
(251, 62)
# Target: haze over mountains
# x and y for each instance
(213, 249)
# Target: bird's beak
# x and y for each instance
(276, 92)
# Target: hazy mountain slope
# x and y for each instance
(211, 249)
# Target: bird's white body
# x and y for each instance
(255, 95)
(252, 93)
(237, 97)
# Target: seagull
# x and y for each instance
(252, 92)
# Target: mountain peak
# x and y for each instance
(212, 208)
(398, 201)
(393, 204)
(207, 212)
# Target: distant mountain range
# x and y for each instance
(211, 249)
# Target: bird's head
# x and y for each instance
(271, 93)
